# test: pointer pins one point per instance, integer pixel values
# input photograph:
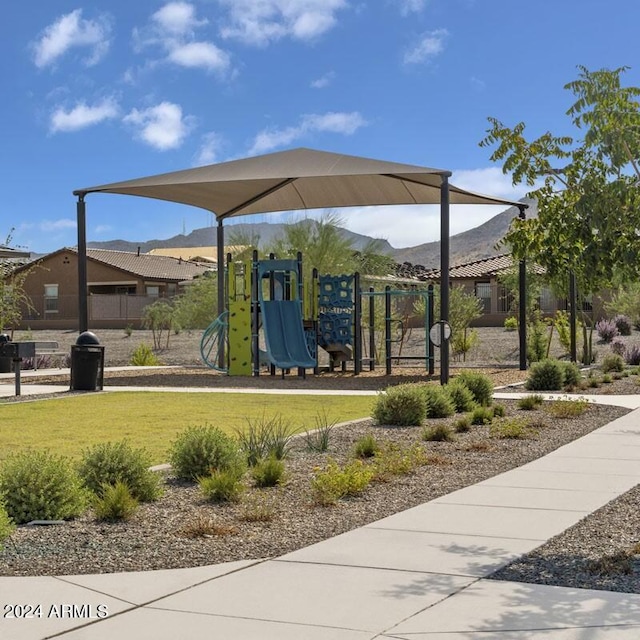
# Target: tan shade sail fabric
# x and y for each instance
(295, 179)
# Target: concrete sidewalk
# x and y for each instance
(416, 575)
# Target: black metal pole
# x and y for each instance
(522, 304)
(372, 330)
(83, 307)
(430, 348)
(387, 328)
(573, 320)
(357, 324)
(444, 277)
(221, 303)
(255, 319)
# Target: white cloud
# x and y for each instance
(430, 45)
(83, 115)
(332, 122)
(200, 54)
(51, 226)
(261, 22)
(172, 28)
(412, 6)
(178, 18)
(69, 31)
(490, 181)
(162, 127)
(209, 150)
(102, 229)
(323, 81)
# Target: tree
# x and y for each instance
(589, 208)
(589, 202)
(13, 297)
(196, 308)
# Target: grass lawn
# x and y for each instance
(152, 420)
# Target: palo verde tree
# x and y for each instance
(589, 202)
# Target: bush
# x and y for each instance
(567, 408)
(439, 403)
(200, 450)
(618, 347)
(265, 437)
(38, 485)
(111, 462)
(394, 460)
(462, 424)
(513, 429)
(612, 362)
(6, 525)
(571, 374)
(437, 433)
(511, 324)
(607, 330)
(366, 447)
(546, 375)
(268, 472)
(224, 485)
(529, 403)
(482, 415)
(403, 405)
(632, 356)
(143, 356)
(114, 502)
(334, 482)
(460, 395)
(623, 324)
(499, 410)
(318, 439)
(480, 385)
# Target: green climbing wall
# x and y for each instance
(239, 338)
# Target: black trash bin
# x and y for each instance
(6, 362)
(87, 363)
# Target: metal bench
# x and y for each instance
(48, 348)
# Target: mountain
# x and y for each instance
(468, 246)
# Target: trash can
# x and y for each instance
(87, 363)
(6, 362)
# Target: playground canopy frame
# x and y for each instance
(293, 180)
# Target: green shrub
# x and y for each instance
(111, 462)
(571, 374)
(480, 385)
(265, 437)
(268, 472)
(513, 429)
(546, 375)
(6, 525)
(463, 424)
(335, 482)
(403, 405)
(223, 485)
(143, 356)
(38, 485)
(200, 450)
(567, 408)
(461, 396)
(607, 379)
(318, 439)
(612, 362)
(437, 433)
(366, 447)
(511, 323)
(114, 502)
(482, 415)
(439, 402)
(499, 411)
(529, 403)
(394, 460)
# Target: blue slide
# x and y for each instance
(284, 334)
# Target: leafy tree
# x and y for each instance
(589, 202)
(159, 318)
(197, 307)
(13, 297)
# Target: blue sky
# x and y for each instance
(108, 90)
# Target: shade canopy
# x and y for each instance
(296, 179)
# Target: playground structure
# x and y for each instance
(297, 317)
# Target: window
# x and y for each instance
(506, 300)
(153, 290)
(51, 298)
(483, 292)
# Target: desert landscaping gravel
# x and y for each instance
(183, 530)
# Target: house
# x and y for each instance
(120, 285)
(483, 279)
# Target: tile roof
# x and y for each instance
(485, 268)
(149, 266)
